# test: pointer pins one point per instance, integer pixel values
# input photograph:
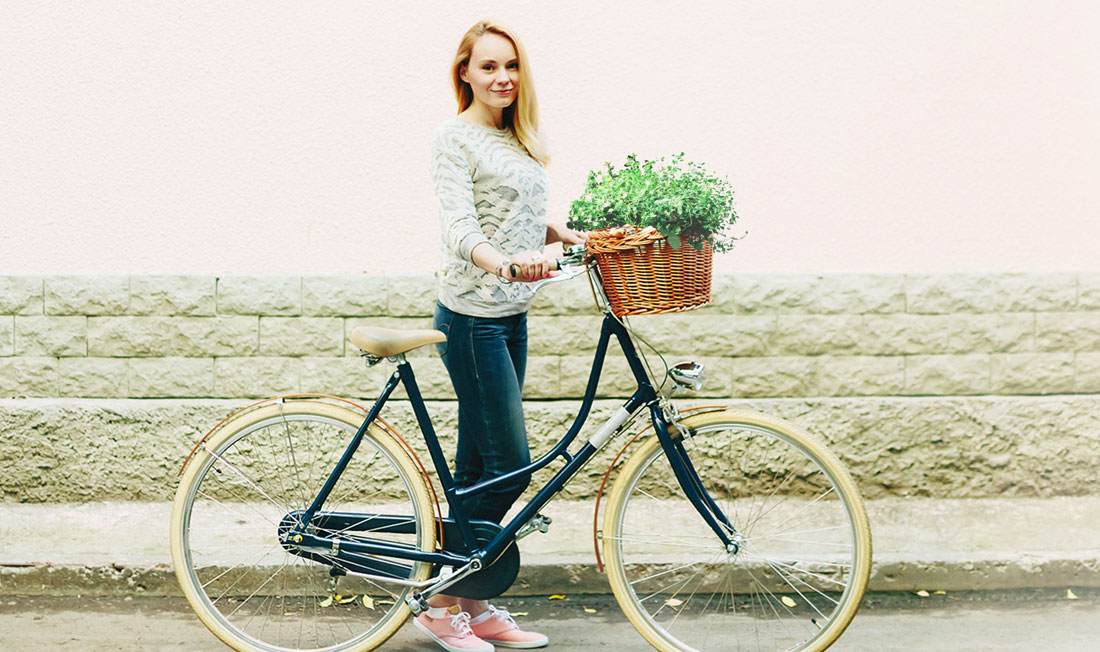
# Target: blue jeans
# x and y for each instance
(486, 358)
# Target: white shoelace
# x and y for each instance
(460, 622)
(503, 615)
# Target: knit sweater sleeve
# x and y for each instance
(454, 189)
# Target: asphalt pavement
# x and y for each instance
(1017, 621)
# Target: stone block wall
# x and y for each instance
(965, 358)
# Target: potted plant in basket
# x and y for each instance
(653, 229)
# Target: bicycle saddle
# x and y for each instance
(386, 342)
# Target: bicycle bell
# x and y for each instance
(688, 375)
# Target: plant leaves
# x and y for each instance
(788, 601)
(1070, 595)
(557, 597)
(368, 602)
(922, 593)
(327, 602)
(674, 241)
(673, 602)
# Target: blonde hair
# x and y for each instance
(522, 116)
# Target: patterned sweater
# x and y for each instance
(489, 190)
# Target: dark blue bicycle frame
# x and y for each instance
(645, 395)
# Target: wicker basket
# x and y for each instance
(644, 275)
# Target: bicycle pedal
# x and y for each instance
(537, 523)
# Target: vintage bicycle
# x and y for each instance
(309, 523)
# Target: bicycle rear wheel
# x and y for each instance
(236, 493)
(804, 543)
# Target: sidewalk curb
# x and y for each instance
(547, 576)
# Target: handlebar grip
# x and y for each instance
(513, 269)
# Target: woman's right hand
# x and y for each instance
(531, 265)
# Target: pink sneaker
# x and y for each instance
(452, 633)
(497, 627)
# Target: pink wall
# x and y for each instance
(282, 137)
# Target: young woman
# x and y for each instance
(487, 165)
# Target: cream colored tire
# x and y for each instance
(797, 576)
(233, 495)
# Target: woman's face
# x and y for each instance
(493, 71)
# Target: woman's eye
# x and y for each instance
(513, 66)
(487, 68)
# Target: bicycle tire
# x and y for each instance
(779, 486)
(235, 492)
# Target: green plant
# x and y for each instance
(682, 200)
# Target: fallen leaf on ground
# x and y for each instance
(517, 613)
(1070, 595)
(589, 611)
(368, 602)
(557, 597)
(787, 601)
(922, 593)
(327, 602)
(343, 600)
(939, 593)
(673, 602)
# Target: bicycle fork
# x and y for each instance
(688, 477)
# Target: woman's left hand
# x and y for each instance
(565, 235)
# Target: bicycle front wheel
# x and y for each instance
(245, 484)
(798, 571)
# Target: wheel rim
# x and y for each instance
(264, 596)
(797, 574)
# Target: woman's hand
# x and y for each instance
(533, 266)
(565, 235)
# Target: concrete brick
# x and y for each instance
(817, 335)
(301, 336)
(396, 323)
(943, 447)
(898, 334)
(987, 333)
(94, 377)
(569, 298)
(259, 295)
(1088, 291)
(947, 374)
(723, 296)
(87, 295)
(616, 379)
(773, 376)
(1087, 373)
(186, 336)
(411, 296)
(173, 295)
(171, 377)
(158, 336)
(811, 293)
(339, 296)
(28, 377)
(555, 335)
(256, 377)
(684, 335)
(55, 336)
(990, 292)
(7, 335)
(1067, 331)
(542, 379)
(774, 293)
(346, 377)
(1033, 373)
(21, 295)
(859, 375)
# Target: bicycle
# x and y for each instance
(308, 523)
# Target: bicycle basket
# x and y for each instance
(644, 275)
